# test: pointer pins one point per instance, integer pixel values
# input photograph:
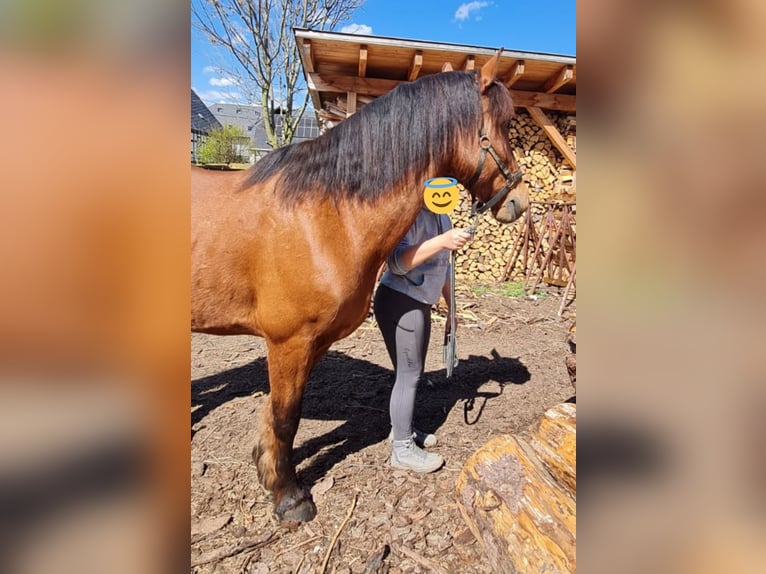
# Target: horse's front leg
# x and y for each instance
(289, 366)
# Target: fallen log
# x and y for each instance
(518, 496)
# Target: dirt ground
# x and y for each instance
(511, 370)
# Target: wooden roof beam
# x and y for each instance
(517, 70)
(362, 60)
(470, 63)
(417, 63)
(553, 134)
(447, 67)
(373, 87)
(309, 67)
(565, 74)
(339, 83)
(350, 104)
(558, 102)
(308, 56)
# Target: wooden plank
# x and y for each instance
(336, 83)
(446, 67)
(517, 70)
(417, 63)
(470, 63)
(556, 138)
(329, 116)
(558, 102)
(350, 104)
(308, 56)
(362, 60)
(565, 74)
(337, 108)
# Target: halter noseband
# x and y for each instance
(511, 179)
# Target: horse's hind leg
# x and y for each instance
(289, 367)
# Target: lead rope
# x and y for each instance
(452, 359)
(450, 339)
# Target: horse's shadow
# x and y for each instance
(357, 392)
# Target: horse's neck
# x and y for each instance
(382, 224)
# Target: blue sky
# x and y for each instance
(525, 25)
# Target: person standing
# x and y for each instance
(416, 277)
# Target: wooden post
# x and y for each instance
(547, 259)
(548, 222)
(570, 284)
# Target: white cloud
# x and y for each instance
(464, 10)
(209, 69)
(223, 82)
(219, 97)
(357, 29)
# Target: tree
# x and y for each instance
(227, 144)
(259, 51)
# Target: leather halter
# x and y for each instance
(511, 179)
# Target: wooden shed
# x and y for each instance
(347, 71)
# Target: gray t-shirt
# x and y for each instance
(423, 283)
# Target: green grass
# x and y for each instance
(512, 289)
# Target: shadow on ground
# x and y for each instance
(356, 392)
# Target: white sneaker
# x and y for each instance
(409, 456)
(422, 439)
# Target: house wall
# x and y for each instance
(249, 120)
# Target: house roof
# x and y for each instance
(249, 119)
(202, 119)
(346, 71)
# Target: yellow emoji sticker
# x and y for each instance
(441, 194)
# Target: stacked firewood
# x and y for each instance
(548, 178)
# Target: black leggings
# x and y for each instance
(406, 327)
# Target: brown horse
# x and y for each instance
(289, 250)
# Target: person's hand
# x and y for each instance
(455, 238)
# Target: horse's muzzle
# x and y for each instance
(512, 208)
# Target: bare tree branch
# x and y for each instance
(255, 43)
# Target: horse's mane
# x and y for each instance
(398, 133)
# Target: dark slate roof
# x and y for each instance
(202, 119)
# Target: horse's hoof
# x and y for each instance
(291, 512)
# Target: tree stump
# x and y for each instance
(518, 496)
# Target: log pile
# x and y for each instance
(518, 496)
(549, 179)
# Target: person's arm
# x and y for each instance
(412, 256)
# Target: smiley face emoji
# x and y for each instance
(441, 194)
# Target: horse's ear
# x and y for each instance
(488, 71)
